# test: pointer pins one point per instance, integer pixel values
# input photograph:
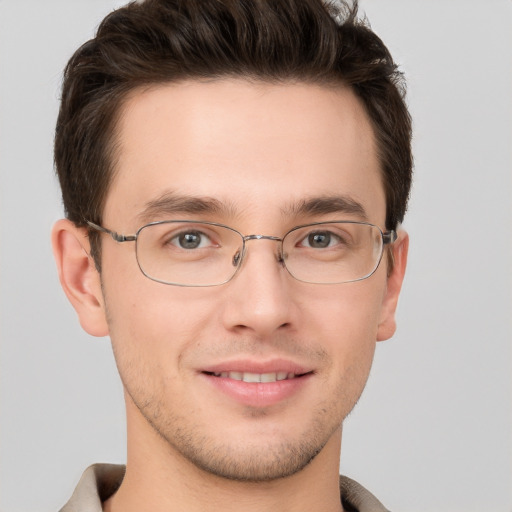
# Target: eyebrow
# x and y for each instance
(170, 203)
(323, 205)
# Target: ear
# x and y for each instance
(387, 323)
(78, 276)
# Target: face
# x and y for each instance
(255, 153)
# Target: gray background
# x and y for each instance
(433, 431)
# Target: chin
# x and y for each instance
(254, 464)
(264, 455)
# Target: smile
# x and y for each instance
(258, 384)
(256, 377)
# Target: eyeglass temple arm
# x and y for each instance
(116, 236)
(389, 237)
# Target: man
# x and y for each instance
(234, 175)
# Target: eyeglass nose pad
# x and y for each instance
(281, 257)
(238, 256)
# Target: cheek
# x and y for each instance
(151, 328)
(348, 316)
(343, 320)
(151, 321)
(352, 309)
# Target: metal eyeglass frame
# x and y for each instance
(388, 237)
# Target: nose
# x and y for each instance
(259, 298)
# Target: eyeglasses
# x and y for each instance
(197, 253)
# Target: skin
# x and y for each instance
(255, 148)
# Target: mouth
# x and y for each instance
(258, 383)
(251, 377)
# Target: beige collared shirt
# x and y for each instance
(101, 481)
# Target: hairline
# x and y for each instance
(114, 144)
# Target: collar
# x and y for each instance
(100, 481)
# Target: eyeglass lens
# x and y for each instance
(204, 254)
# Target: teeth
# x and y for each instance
(256, 377)
(253, 377)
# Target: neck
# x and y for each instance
(158, 478)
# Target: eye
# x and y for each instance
(321, 240)
(191, 240)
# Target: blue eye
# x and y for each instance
(191, 240)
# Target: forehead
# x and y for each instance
(255, 147)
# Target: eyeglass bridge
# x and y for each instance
(238, 256)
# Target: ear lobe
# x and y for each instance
(387, 324)
(78, 276)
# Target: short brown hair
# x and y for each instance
(159, 41)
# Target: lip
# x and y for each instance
(257, 394)
(252, 366)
